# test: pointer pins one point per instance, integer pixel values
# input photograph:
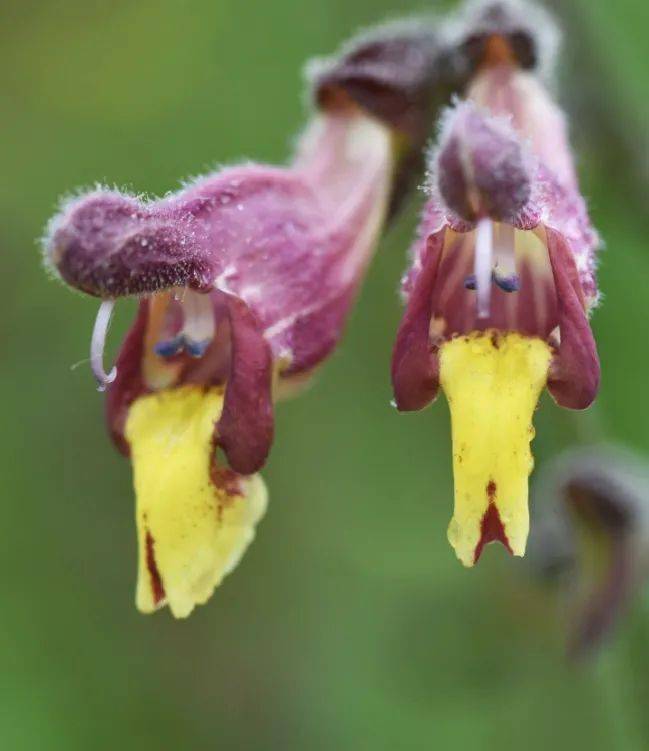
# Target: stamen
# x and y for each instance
(98, 343)
(507, 283)
(196, 349)
(482, 266)
(189, 325)
(169, 347)
(470, 282)
(504, 274)
(198, 326)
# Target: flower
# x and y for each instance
(401, 73)
(592, 538)
(501, 284)
(245, 279)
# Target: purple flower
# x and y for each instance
(245, 280)
(499, 292)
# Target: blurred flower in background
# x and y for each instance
(591, 538)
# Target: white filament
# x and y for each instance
(198, 314)
(98, 343)
(504, 253)
(482, 266)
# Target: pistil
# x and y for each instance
(97, 344)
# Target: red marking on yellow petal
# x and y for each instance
(157, 587)
(491, 526)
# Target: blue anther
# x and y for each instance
(196, 349)
(169, 347)
(509, 283)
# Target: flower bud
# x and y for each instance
(591, 535)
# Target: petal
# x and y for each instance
(492, 383)
(522, 99)
(129, 383)
(575, 373)
(245, 428)
(308, 250)
(110, 244)
(314, 334)
(415, 367)
(482, 168)
(194, 523)
(392, 71)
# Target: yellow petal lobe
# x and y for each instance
(191, 531)
(492, 382)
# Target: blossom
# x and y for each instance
(591, 538)
(501, 284)
(245, 278)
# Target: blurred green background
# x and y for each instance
(349, 624)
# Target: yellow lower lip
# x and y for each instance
(492, 383)
(191, 531)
